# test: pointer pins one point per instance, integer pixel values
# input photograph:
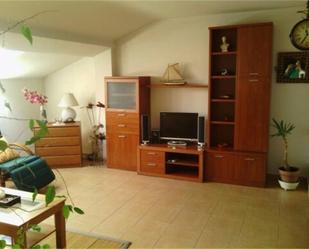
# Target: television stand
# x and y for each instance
(176, 143)
(183, 162)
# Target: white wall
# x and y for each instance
(13, 130)
(85, 79)
(185, 40)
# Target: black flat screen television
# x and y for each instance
(178, 126)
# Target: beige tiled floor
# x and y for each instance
(163, 213)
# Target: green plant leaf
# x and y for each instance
(3, 145)
(50, 195)
(34, 194)
(70, 207)
(39, 134)
(2, 244)
(16, 246)
(66, 211)
(35, 227)
(26, 32)
(36, 247)
(46, 246)
(31, 123)
(78, 210)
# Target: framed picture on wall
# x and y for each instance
(293, 67)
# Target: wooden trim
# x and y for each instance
(186, 85)
(236, 26)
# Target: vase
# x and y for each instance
(43, 113)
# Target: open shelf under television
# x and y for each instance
(183, 162)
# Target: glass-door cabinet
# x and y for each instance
(127, 98)
(122, 94)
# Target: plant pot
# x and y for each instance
(290, 176)
(288, 185)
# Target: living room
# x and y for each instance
(76, 46)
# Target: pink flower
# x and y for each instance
(34, 97)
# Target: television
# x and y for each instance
(178, 126)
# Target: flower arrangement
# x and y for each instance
(34, 97)
(97, 135)
(37, 98)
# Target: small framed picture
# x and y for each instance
(293, 67)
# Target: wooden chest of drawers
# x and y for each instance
(61, 147)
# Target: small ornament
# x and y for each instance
(224, 46)
(224, 72)
(2, 194)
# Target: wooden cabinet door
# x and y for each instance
(254, 47)
(220, 167)
(250, 169)
(121, 151)
(252, 114)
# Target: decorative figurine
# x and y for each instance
(224, 46)
(224, 71)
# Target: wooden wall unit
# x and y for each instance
(239, 104)
(61, 147)
(127, 98)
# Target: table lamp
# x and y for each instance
(68, 114)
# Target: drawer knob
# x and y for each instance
(152, 164)
(253, 74)
(219, 156)
(249, 159)
(253, 80)
(152, 153)
(121, 114)
(122, 136)
(121, 125)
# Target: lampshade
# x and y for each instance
(68, 100)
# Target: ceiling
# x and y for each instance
(102, 22)
(70, 30)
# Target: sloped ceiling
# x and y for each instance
(102, 22)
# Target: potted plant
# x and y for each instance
(289, 175)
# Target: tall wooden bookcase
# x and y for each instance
(239, 100)
(127, 98)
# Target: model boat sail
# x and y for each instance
(172, 75)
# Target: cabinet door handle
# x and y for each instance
(218, 156)
(249, 159)
(253, 80)
(152, 153)
(122, 136)
(152, 164)
(121, 125)
(120, 114)
(253, 74)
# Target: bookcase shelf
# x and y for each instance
(222, 77)
(223, 122)
(224, 53)
(223, 100)
(222, 110)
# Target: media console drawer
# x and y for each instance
(152, 167)
(152, 156)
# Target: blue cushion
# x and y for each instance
(35, 174)
(16, 163)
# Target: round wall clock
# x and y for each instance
(300, 35)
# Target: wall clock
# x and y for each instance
(299, 35)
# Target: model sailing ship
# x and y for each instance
(172, 75)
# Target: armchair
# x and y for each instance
(27, 172)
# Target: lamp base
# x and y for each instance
(68, 115)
